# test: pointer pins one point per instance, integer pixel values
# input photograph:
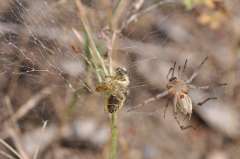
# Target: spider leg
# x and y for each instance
(175, 103)
(188, 116)
(165, 110)
(179, 72)
(206, 87)
(169, 72)
(174, 66)
(191, 86)
(206, 100)
(182, 127)
(194, 75)
(184, 66)
(149, 100)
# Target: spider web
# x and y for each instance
(35, 40)
(36, 47)
(36, 53)
(33, 33)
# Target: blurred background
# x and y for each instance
(49, 107)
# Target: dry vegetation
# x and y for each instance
(49, 108)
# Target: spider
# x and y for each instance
(116, 88)
(177, 90)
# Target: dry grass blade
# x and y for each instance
(138, 4)
(92, 63)
(14, 131)
(135, 16)
(95, 52)
(31, 103)
(80, 38)
(118, 13)
(37, 150)
(6, 155)
(10, 148)
(15, 135)
(115, 20)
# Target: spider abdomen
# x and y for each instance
(184, 104)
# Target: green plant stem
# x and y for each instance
(114, 136)
(95, 53)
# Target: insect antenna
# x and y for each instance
(197, 71)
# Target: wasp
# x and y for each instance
(177, 90)
(116, 88)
